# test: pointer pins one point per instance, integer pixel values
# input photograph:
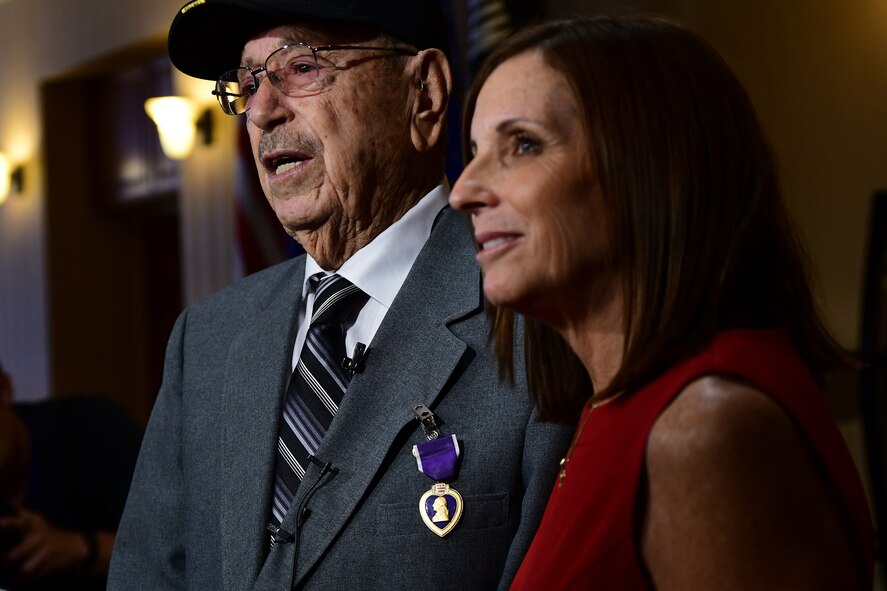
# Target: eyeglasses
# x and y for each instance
(294, 69)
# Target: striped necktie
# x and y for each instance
(316, 387)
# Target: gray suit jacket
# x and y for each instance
(199, 502)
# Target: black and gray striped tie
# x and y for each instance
(317, 385)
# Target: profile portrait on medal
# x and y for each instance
(440, 510)
(625, 199)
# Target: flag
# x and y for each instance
(489, 23)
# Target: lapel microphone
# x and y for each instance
(327, 473)
(282, 536)
(357, 362)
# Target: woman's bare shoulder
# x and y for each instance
(735, 496)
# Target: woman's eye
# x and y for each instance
(524, 144)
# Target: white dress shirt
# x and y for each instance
(378, 269)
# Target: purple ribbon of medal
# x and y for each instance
(440, 507)
(437, 458)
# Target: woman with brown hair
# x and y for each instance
(624, 199)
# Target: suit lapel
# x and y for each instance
(257, 367)
(411, 359)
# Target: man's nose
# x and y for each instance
(267, 108)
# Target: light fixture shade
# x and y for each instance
(5, 181)
(174, 117)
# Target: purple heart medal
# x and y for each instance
(440, 507)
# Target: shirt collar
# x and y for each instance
(380, 268)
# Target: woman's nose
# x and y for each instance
(471, 193)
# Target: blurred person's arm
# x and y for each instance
(45, 549)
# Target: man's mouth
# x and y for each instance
(282, 162)
(285, 164)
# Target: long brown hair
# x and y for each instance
(698, 226)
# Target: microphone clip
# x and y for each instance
(280, 535)
(357, 362)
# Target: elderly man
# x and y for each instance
(313, 415)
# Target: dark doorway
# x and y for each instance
(113, 247)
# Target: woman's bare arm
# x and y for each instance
(735, 498)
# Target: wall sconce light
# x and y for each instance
(11, 178)
(178, 124)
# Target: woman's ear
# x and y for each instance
(434, 83)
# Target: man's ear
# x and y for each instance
(433, 85)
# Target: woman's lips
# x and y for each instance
(494, 242)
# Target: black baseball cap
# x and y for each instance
(206, 37)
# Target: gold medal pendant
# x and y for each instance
(441, 508)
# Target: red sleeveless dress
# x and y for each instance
(587, 536)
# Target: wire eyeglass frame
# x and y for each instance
(235, 88)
